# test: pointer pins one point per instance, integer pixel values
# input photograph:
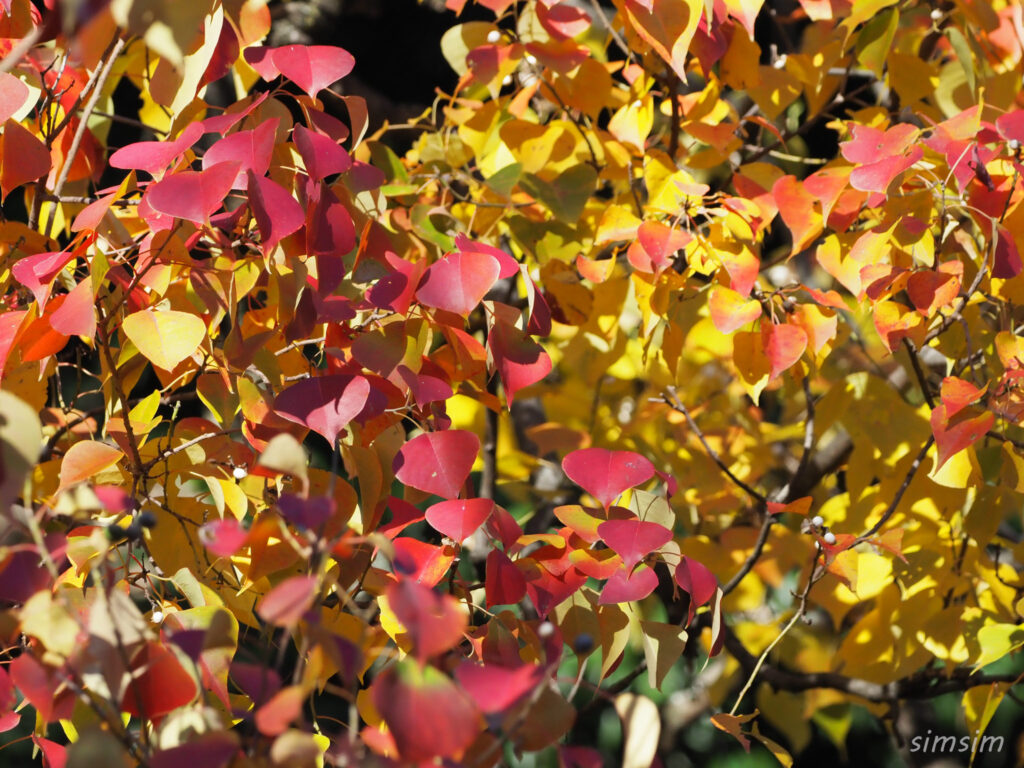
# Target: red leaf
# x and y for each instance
(208, 750)
(434, 621)
(153, 157)
(784, 344)
(54, 755)
(192, 195)
(494, 688)
(251, 150)
(458, 282)
(633, 540)
(283, 709)
(325, 404)
(223, 537)
(77, 315)
(459, 519)
(38, 271)
(957, 394)
(24, 157)
(951, 437)
(437, 462)
(286, 603)
(320, 154)
(881, 156)
(625, 586)
(605, 474)
(562, 20)
(656, 246)
(1007, 262)
(313, 67)
(520, 360)
(421, 561)
(425, 389)
(159, 685)
(504, 583)
(697, 581)
(509, 266)
(38, 684)
(428, 716)
(277, 213)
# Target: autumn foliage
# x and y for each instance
(675, 349)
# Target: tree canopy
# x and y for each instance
(653, 396)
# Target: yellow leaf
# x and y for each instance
(48, 620)
(641, 726)
(165, 337)
(663, 645)
(997, 640)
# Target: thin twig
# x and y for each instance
(672, 400)
(899, 493)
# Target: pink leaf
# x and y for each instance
(286, 603)
(252, 151)
(311, 67)
(427, 714)
(509, 266)
(495, 688)
(458, 282)
(520, 360)
(784, 344)
(325, 404)
(633, 540)
(223, 537)
(504, 583)
(438, 462)
(77, 315)
(605, 474)
(277, 213)
(626, 587)
(434, 621)
(697, 581)
(193, 195)
(320, 154)
(153, 157)
(458, 519)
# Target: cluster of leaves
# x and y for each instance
(626, 350)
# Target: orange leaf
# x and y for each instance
(86, 459)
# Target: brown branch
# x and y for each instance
(83, 123)
(899, 493)
(919, 372)
(672, 400)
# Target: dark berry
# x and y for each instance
(133, 531)
(146, 519)
(583, 643)
(116, 532)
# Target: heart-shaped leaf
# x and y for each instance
(605, 474)
(164, 337)
(458, 519)
(325, 404)
(633, 540)
(320, 154)
(23, 157)
(286, 603)
(504, 583)
(438, 462)
(626, 586)
(193, 195)
(427, 714)
(311, 67)
(252, 151)
(458, 282)
(277, 213)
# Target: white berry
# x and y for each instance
(507, 80)
(157, 617)
(817, 521)
(936, 14)
(493, 36)
(830, 538)
(531, 59)
(546, 630)
(240, 473)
